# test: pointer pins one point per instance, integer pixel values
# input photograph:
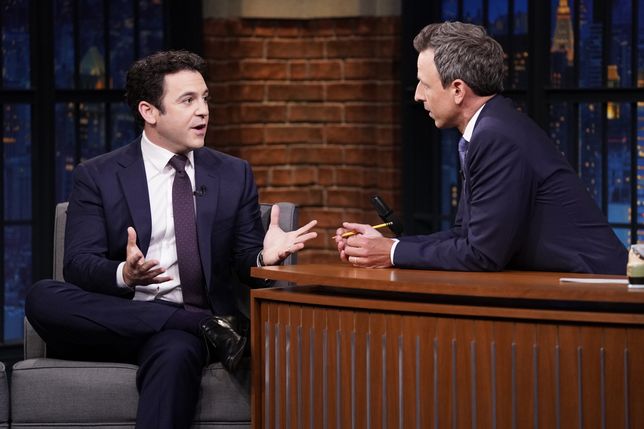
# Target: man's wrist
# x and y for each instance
(260, 258)
(120, 276)
(393, 250)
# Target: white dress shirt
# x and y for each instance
(160, 177)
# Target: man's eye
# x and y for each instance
(188, 100)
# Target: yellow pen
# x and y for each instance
(350, 233)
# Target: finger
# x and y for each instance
(305, 237)
(156, 272)
(306, 227)
(296, 247)
(338, 235)
(149, 265)
(356, 241)
(283, 255)
(352, 225)
(359, 227)
(135, 260)
(161, 279)
(275, 215)
(352, 250)
(151, 274)
(290, 250)
(353, 242)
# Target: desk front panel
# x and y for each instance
(325, 361)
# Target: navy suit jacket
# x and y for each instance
(110, 193)
(522, 206)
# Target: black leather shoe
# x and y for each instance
(228, 345)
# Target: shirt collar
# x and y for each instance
(469, 128)
(159, 157)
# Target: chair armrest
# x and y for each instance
(288, 221)
(34, 346)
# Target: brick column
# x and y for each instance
(313, 105)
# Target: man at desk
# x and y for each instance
(522, 205)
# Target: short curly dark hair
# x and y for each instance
(145, 78)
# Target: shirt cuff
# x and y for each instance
(393, 249)
(119, 276)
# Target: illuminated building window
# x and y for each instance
(62, 90)
(577, 68)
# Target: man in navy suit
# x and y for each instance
(123, 298)
(521, 206)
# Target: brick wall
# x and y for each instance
(313, 105)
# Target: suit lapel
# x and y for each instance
(134, 185)
(207, 186)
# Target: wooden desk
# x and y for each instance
(352, 347)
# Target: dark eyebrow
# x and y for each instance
(192, 93)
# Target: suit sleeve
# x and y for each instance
(249, 232)
(86, 262)
(501, 190)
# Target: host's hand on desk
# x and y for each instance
(368, 248)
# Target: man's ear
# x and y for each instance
(148, 112)
(458, 90)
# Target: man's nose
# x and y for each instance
(418, 95)
(202, 108)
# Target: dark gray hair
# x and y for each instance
(466, 52)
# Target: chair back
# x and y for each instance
(59, 239)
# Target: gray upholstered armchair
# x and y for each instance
(4, 398)
(53, 393)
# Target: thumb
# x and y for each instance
(275, 215)
(363, 229)
(131, 237)
(358, 227)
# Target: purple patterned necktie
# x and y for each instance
(185, 232)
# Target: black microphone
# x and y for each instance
(200, 192)
(387, 215)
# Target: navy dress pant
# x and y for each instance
(82, 325)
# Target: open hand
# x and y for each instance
(138, 271)
(278, 244)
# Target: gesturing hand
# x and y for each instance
(279, 244)
(138, 271)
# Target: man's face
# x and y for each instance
(182, 127)
(438, 101)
